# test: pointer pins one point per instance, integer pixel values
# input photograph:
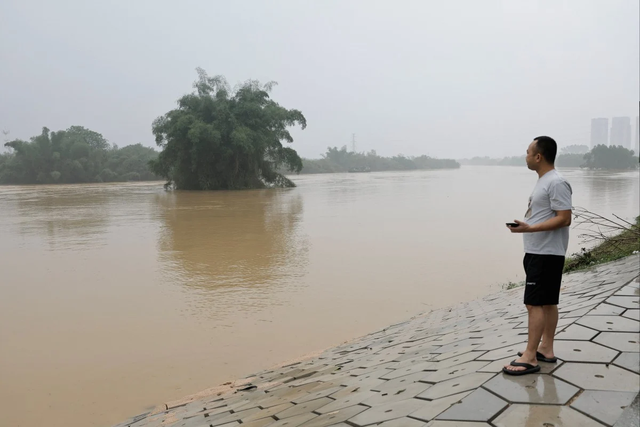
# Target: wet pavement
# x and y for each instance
(443, 369)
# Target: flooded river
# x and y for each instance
(115, 298)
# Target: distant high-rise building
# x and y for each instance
(621, 132)
(599, 132)
(637, 144)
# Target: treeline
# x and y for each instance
(75, 155)
(341, 160)
(576, 156)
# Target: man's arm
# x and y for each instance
(562, 219)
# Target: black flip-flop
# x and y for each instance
(540, 357)
(529, 369)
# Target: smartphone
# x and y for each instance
(512, 224)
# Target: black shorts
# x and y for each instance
(544, 275)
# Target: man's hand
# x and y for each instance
(522, 227)
(562, 219)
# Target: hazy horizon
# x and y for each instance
(450, 80)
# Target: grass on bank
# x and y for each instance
(611, 247)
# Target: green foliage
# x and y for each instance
(623, 244)
(573, 156)
(610, 157)
(574, 149)
(512, 285)
(512, 161)
(341, 160)
(219, 139)
(75, 155)
(573, 160)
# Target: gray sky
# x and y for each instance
(443, 78)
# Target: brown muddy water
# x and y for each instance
(115, 298)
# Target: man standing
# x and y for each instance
(546, 236)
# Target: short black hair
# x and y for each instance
(547, 147)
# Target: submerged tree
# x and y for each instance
(219, 139)
(610, 157)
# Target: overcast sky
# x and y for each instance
(445, 78)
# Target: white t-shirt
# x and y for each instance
(552, 193)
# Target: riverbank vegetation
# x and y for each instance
(610, 239)
(601, 157)
(74, 155)
(340, 160)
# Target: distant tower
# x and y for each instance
(637, 144)
(599, 131)
(621, 132)
(353, 142)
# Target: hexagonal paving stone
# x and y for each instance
(346, 401)
(458, 360)
(345, 391)
(403, 422)
(313, 395)
(610, 323)
(607, 309)
(220, 420)
(438, 423)
(271, 401)
(501, 353)
(469, 342)
(583, 351)
(263, 422)
(432, 408)
(590, 376)
(448, 373)
(630, 361)
(336, 416)
(629, 290)
(577, 313)
(500, 342)
(391, 385)
(543, 415)
(579, 305)
(605, 406)
(267, 412)
(364, 381)
(623, 341)
(633, 313)
(407, 370)
(566, 321)
(304, 407)
(626, 302)
(576, 332)
(532, 389)
(294, 421)
(480, 405)
(454, 353)
(387, 412)
(377, 370)
(401, 393)
(456, 385)
(496, 366)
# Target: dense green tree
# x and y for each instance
(219, 139)
(610, 157)
(75, 155)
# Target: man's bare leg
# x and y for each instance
(549, 333)
(536, 329)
